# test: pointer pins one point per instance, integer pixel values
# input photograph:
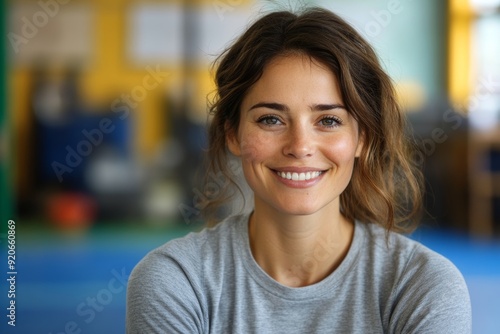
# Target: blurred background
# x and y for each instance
(102, 131)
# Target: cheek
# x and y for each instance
(255, 148)
(342, 150)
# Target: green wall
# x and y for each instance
(5, 185)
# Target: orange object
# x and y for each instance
(71, 210)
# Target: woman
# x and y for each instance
(302, 101)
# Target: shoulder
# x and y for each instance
(428, 293)
(166, 291)
(406, 255)
(188, 252)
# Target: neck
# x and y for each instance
(299, 250)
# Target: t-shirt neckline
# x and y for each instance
(318, 290)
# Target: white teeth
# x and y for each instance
(299, 176)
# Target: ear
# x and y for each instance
(361, 143)
(232, 141)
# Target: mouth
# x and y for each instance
(302, 176)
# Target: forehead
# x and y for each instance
(299, 61)
(294, 76)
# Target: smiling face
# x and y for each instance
(296, 140)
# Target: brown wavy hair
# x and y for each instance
(386, 186)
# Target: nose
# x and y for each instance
(299, 142)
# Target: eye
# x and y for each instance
(330, 121)
(269, 120)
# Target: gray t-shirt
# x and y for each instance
(208, 282)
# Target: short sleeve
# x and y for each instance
(161, 297)
(431, 297)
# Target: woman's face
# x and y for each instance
(296, 140)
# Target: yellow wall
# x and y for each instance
(459, 46)
(109, 74)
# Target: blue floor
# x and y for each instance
(479, 261)
(76, 283)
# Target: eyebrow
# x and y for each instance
(285, 108)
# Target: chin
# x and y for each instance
(299, 209)
(296, 205)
